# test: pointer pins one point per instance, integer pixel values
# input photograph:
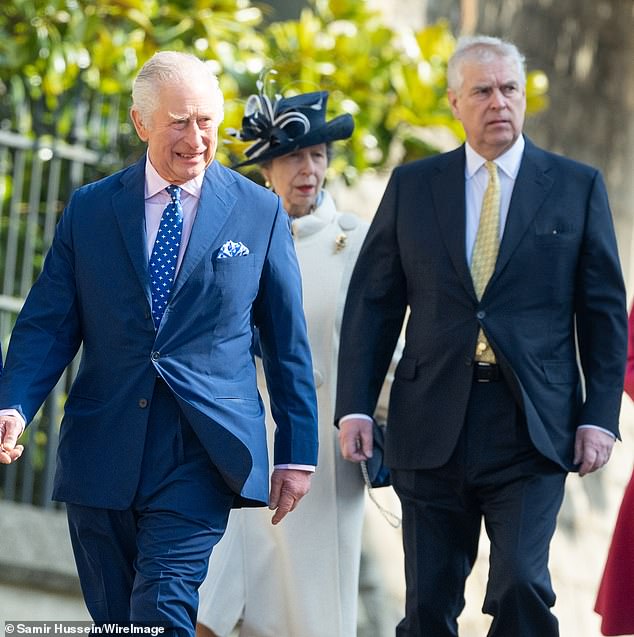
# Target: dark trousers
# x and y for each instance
(143, 565)
(495, 473)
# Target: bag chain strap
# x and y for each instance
(392, 519)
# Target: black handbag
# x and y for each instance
(378, 475)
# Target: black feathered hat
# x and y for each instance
(284, 124)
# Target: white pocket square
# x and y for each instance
(232, 249)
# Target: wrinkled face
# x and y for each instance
(298, 177)
(491, 104)
(182, 135)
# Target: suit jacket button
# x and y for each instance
(156, 355)
(481, 314)
(142, 403)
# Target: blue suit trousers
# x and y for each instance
(143, 565)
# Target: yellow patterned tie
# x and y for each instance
(485, 250)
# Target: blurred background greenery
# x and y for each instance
(62, 58)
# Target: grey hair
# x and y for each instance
(482, 49)
(176, 67)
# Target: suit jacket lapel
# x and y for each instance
(129, 207)
(531, 187)
(216, 203)
(449, 203)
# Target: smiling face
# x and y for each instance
(491, 104)
(298, 177)
(181, 135)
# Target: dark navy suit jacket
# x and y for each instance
(94, 291)
(557, 289)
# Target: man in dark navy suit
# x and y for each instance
(506, 258)
(162, 272)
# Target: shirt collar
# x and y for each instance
(508, 162)
(154, 183)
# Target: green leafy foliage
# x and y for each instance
(63, 62)
(66, 68)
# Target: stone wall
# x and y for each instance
(38, 580)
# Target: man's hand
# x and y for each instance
(592, 449)
(10, 430)
(355, 439)
(288, 487)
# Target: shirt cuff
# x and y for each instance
(350, 416)
(299, 467)
(605, 431)
(17, 414)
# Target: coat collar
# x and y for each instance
(531, 187)
(448, 195)
(320, 218)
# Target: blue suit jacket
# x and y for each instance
(557, 289)
(94, 291)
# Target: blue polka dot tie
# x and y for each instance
(165, 254)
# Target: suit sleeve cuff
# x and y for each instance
(350, 416)
(605, 431)
(299, 467)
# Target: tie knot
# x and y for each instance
(174, 193)
(492, 169)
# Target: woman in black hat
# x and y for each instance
(299, 578)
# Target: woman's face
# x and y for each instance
(298, 177)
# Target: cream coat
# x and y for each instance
(300, 578)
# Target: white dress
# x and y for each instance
(300, 577)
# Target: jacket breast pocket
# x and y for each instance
(234, 269)
(556, 236)
(235, 286)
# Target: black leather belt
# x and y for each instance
(486, 372)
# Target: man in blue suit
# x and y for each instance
(162, 272)
(506, 258)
